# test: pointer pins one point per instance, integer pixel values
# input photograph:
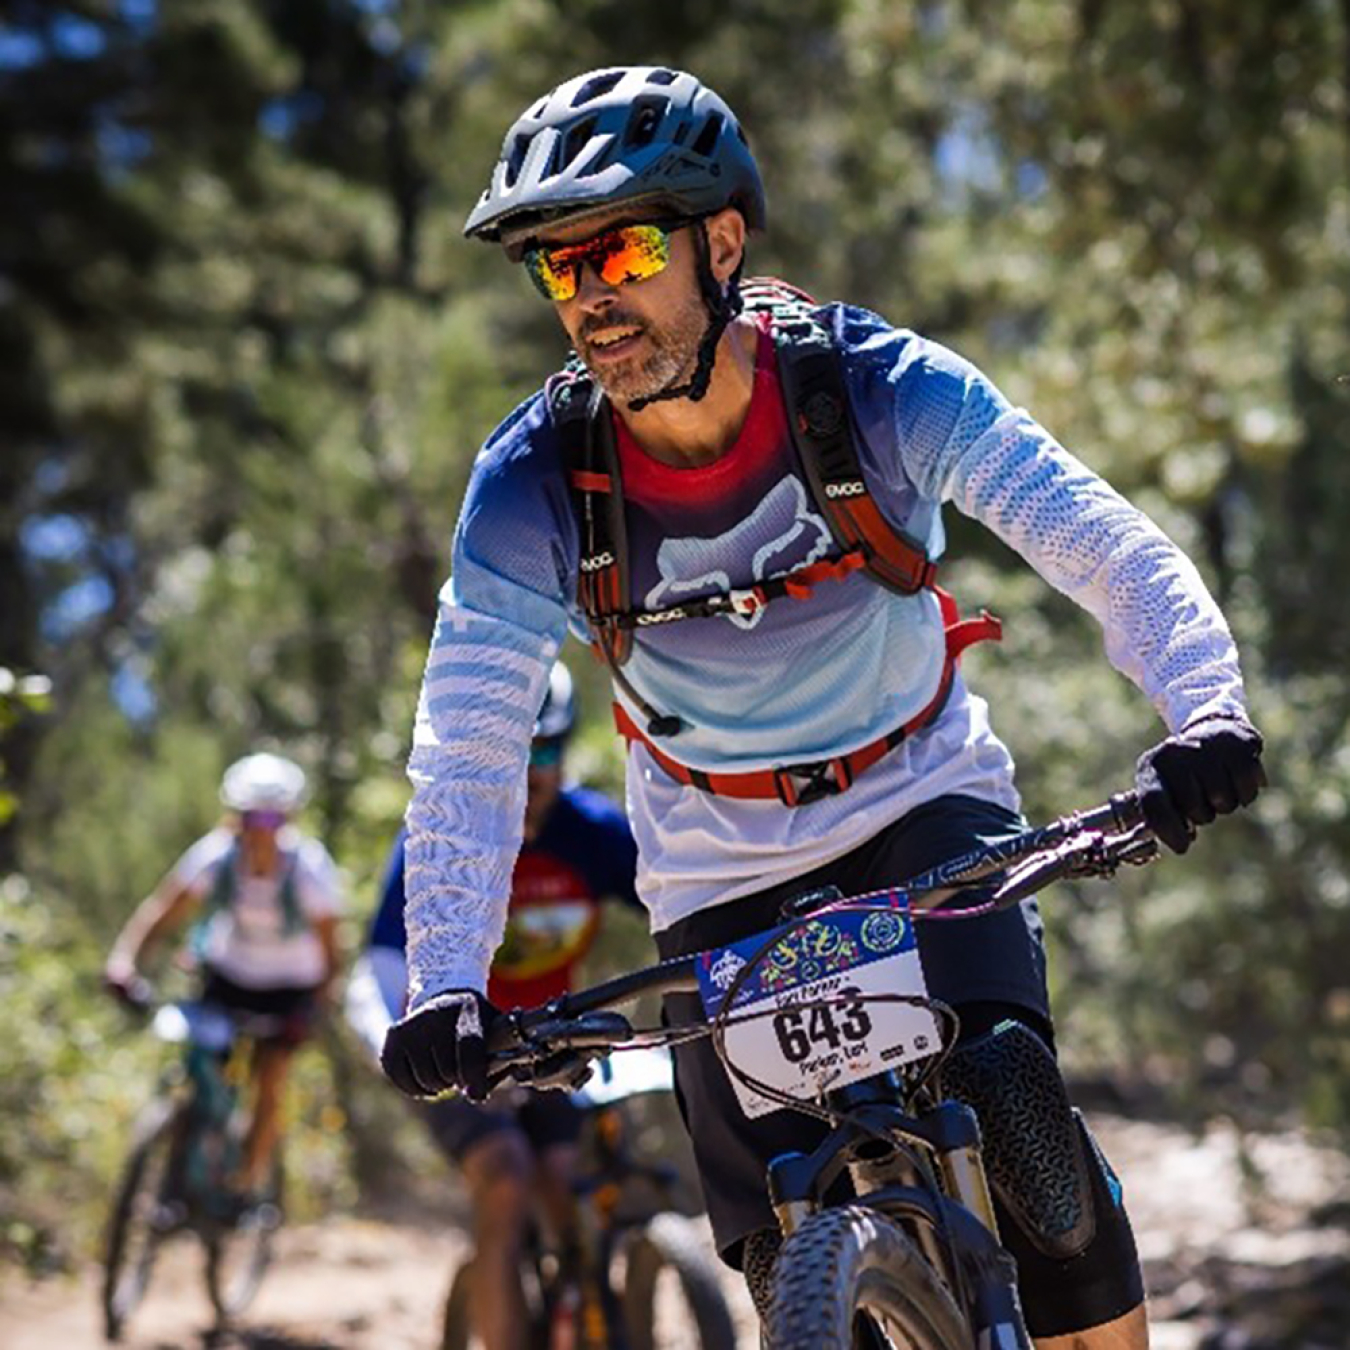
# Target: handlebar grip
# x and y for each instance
(1123, 812)
(135, 994)
(1129, 810)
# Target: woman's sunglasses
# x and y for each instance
(625, 253)
(262, 820)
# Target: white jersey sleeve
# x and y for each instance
(318, 881)
(195, 870)
(502, 620)
(960, 440)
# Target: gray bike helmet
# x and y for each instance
(630, 134)
(559, 712)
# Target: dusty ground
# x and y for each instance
(1246, 1246)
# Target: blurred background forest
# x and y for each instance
(246, 360)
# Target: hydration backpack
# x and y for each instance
(821, 425)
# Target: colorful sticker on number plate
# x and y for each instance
(811, 1025)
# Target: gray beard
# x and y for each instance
(672, 360)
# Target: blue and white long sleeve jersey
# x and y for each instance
(797, 681)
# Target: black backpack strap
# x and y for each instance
(821, 424)
(590, 456)
(591, 462)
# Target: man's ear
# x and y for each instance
(726, 242)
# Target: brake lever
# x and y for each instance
(557, 1052)
(1091, 854)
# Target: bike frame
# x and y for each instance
(913, 1158)
(582, 1258)
(206, 1083)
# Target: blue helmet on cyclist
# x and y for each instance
(626, 136)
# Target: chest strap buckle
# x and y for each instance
(800, 784)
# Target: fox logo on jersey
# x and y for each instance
(782, 534)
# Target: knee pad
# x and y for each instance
(759, 1254)
(1060, 1206)
(1035, 1146)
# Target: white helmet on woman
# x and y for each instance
(559, 712)
(263, 782)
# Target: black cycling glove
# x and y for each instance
(440, 1046)
(1210, 769)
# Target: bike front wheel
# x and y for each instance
(457, 1329)
(141, 1217)
(239, 1252)
(672, 1295)
(850, 1279)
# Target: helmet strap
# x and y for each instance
(722, 306)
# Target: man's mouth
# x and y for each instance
(613, 342)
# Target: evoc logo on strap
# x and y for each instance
(596, 563)
(854, 489)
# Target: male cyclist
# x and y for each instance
(577, 852)
(743, 508)
(267, 900)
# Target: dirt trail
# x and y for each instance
(1245, 1247)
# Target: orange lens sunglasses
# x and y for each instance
(624, 253)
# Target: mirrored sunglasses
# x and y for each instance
(262, 820)
(625, 253)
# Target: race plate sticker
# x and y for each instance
(842, 956)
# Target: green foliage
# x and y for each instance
(20, 699)
(248, 360)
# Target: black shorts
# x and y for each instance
(546, 1119)
(294, 1009)
(998, 959)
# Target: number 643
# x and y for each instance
(803, 1031)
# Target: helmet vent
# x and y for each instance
(597, 85)
(578, 138)
(662, 76)
(516, 158)
(680, 134)
(644, 120)
(707, 138)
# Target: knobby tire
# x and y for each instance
(457, 1332)
(238, 1254)
(669, 1242)
(845, 1266)
(123, 1287)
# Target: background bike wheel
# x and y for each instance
(672, 1294)
(457, 1331)
(137, 1222)
(849, 1279)
(237, 1255)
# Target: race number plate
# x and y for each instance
(843, 956)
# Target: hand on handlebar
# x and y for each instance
(1209, 770)
(127, 985)
(441, 1045)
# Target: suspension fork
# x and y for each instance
(875, 1164)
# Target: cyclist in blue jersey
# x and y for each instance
(737, 494)
(577, 853)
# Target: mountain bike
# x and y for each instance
(635, 1274)
(831, 1009)
(186, 1143)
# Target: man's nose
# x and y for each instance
(593, 291)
